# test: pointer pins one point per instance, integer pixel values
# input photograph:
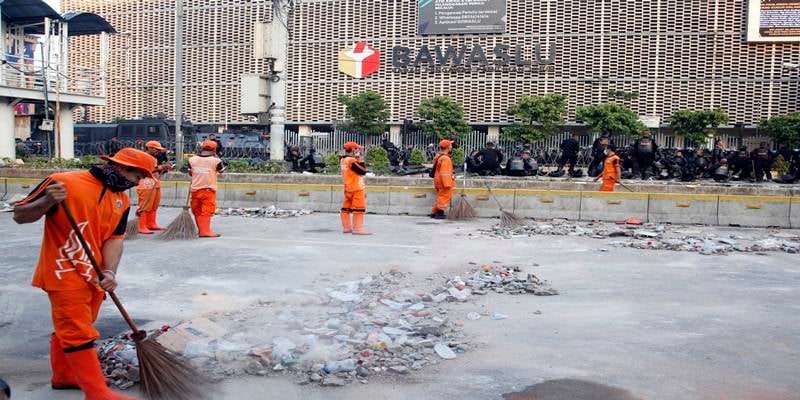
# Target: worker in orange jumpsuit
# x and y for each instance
(149, 191)
(355, 197)
(443, 179)
(100, 206)
(611, 170)
(204, 169)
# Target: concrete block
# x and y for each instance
(248, 195)
(756, 211)
(683, 208)
(21, 186)
(378, 200)
(484, 203)
(547, 204)
(169, 194)
(613, 206)
(411, 200)
(794, 219)
(312, 197)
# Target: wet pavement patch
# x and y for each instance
(570, 389)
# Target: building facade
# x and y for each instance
(676, 54)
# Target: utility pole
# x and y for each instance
(178, 80)
(280, 44)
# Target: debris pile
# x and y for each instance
(351, 332)
(262, 212)
(658, 237)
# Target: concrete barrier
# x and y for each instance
(411, 200)
(484, 203)
(246, 195)
(545, 204)
(754, 211)
(683, 208)
(794, 213)
(313, 197)
(613, 206)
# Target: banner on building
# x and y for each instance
(773, 21)
(448, 17)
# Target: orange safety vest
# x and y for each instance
(204, 172)
(352, 181)
(101, 215)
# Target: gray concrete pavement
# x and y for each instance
(662, 325)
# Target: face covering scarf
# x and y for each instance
(111, 179)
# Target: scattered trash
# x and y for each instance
(498, 316)
(262, 212)
(656, 237)
(444, 351)
(473, 316)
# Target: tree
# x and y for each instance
(458, 156)
(366, 113)
(783, 128)
(611, 117)
(697, 125)
(539, 116)
(443, 117)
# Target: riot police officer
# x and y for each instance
(721, 171)
(569, 154)
(598, 152)
(644, 150)
(742, 166)
(522, 165)
(762, 160)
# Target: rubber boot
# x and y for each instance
(63, 378)
(151, 222)
(347, 226)
(358, 225)
(440, 215)
(86, 367)
(143, 224)
(204, 227)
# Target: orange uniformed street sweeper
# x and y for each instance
(355, 197)
(149, 191)
(204, 169)
(443, 179)
(611, 170)
(100, 206)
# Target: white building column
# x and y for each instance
(493, 134)
(66, 129)
(396, 135)
(8, 148)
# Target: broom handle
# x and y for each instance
(494, 197)
(99, 272)
(623, 185)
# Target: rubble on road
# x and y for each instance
(351, 332)
(657, 236)
(262, 212)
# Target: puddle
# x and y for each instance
(570, 389)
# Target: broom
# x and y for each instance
(182, 228)
(463, 210)
(507, 218)
(163, 375)
(132, 230)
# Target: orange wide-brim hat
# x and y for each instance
(352, 146)
(134, 158)
(153, 144)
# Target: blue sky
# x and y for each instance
(54, 4)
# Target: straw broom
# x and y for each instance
(182, 228)
(132, 230)
(463, 210)
(163, 375)
(507, 218)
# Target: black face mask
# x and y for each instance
(111, 179)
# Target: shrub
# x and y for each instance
(378, 159)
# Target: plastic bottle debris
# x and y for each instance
(443, 351)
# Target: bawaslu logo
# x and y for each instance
(359, 60)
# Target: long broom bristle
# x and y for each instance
(132, 231)
(462, 211)
(510, 220)
(164, 375)
(182, 228)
